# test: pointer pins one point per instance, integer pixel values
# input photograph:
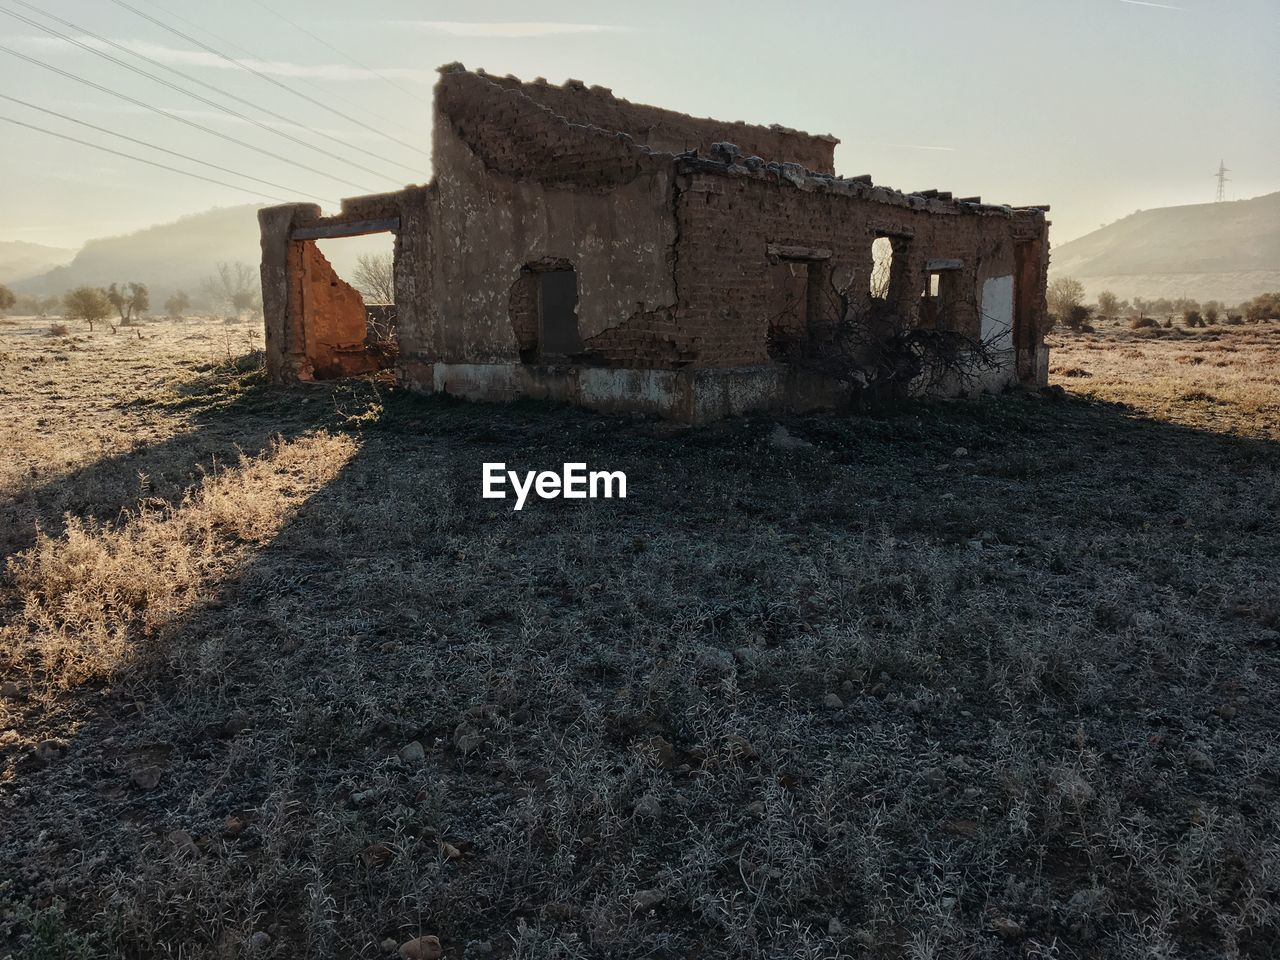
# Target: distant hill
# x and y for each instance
(20, 260)
(1207, 251)
(178, 255)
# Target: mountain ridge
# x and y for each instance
(178, 255)
(21, 260)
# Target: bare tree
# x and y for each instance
(7, 299)
(375, 277)
(1108, 305)
(1265, 306)
(139, 299)
(235, 287)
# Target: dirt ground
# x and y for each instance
(982, 678)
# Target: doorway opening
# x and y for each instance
(344, 291)
(543, 310)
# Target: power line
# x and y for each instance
(152, 146)
(129, 156)
(339, 51)
(240, 48)
(172, 116)
(195, 96)
(263, 76)
(209, 86)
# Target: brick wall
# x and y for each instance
(731, 290)
(518, 137)
(523, 311)
(672, 132)
(332, 315)
(735, 300)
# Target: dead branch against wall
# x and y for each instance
(881, 267)
(877, 349)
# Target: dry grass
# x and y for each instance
(876, 698)
(97, 595)
(1234, 384)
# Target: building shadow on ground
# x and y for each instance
(297, 680)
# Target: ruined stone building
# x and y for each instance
(574, 246)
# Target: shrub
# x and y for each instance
(59, 330)
(1078, 316)
(1064, 294)
(1265, 306)
(89, 304)
(177, 305)
(1138, 323)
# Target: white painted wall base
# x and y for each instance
(689, 395)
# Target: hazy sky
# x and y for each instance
(1098, 107)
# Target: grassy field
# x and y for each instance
(982, 678)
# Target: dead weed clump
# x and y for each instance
(96, 595)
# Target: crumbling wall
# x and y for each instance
(738, 226)
(284, 340)
(1031, 310)
(331, 314)
(672, 132)
(518, 137)
(313, 327)
(517, 185)
(686, 268)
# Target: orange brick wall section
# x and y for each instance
(334, 327)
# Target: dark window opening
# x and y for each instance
(938, 302)
(796, 316)
(543, 310)
(558, 313)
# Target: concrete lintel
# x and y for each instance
(789, 252)
(892, 232)
(935, 265)
(349, 228)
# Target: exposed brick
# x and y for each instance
(713, 260)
